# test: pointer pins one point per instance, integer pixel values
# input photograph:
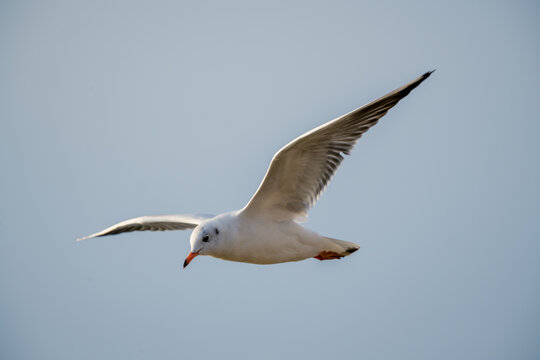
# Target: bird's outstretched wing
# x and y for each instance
(152, 223)
(300, 171)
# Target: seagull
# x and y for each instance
(268, 230)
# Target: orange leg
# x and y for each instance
(328, 255)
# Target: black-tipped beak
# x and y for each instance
(189, 258)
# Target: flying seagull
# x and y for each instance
(267, 229)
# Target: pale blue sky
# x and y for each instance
(115, 109)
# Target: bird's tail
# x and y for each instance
(336, 249)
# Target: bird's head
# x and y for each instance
(203, 239)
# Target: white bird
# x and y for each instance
(267, 229)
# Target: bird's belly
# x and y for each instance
(273, 245)
(265, 256)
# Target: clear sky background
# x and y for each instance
(115, 109)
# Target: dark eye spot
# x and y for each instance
(217, 231)
(205, 238)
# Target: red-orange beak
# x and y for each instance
(189, 258)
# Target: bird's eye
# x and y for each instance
(205, 238)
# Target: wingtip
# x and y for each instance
(84, 238)
(421, 79)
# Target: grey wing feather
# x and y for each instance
(152, 223)
(301, 170)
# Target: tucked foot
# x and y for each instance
(328, 255)
(331, 255)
